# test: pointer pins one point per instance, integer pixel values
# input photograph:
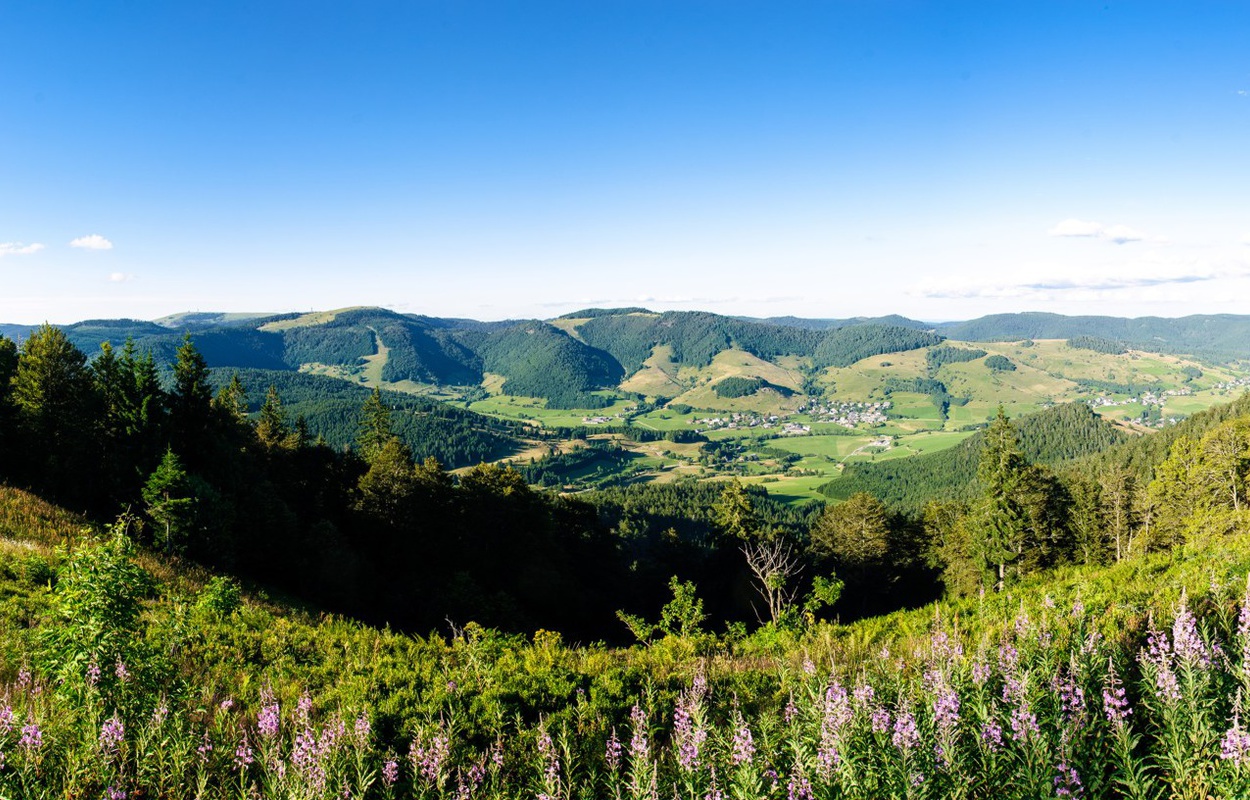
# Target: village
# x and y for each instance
(848, 414)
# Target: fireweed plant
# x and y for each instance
(1025, 698)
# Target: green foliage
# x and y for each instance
(1097, 344)
(98, 599)
(744, 387)
(844, 346)
(1000, 364)
(939, 356)
(1051, 437)
(171, 504)
(221, 597)
(539, 360)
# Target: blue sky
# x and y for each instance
(498, 160)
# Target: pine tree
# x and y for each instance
(734, 512)
(375, 426)
(191, 401)
(56, 405)
(271, 428)
(999, 534)
(170, 503)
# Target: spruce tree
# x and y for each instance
(1001, 525)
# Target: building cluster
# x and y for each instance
(848, 414)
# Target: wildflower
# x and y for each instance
(547, 749)
(225, 705)
(687, 734)
(992, 735)
(864, 694)
(111, 734)
(880, 720)
(303, 709)
(639, 747)
(808, 667)
(268, 720)
(428, 759)
(980, 672)
(1023, 723)
(1235, 746)
(1187, 644)
(390, 772)
(93, 674)
(32, 738)
(1008, 659)
(799, 789)
(23, 678)
(1115, 701)
(205, 748)
(362, 727)
(743, 750)
(119, 669)
(160, 714)
(1067, 781)
(906, 736)
(114, 793)
(1071, 701)
(6, 718)
(612, 752)
(791, 711)
(946, 709)
(243, 755)
(307, 757)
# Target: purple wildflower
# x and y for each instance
(428, 759)
(1067, 781)
(1023, 723)
(1071, 701)
(980, 672)
(1187, 643)
(639, 747)
(114, 793)
(551, 759)
(6, 718)
(206, 747)
(269, 720)
(93, 674)
(880, 720)
(390, 772)
(111, 734)
(119, 669)
(946, 709)
(1115, 701)
(612, 752)
(688, 735)
(308, 759)
(225, 705)
(864, 695)
(362, 728)
(992, 735)
(243, 754)
(799, 788)
(906, 736)
(743, 750)
(303, 709)
(23, 678)
(32, 738)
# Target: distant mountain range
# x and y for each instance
(568, 358)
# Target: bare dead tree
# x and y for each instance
(774, 565)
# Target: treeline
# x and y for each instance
(696, 337)
(1098, 344)
(540, 360)
(330, 409)
(745, 387)
(943, 354)
(1051, 437)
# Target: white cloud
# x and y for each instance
(1055, 283)
(18, 249)
(92, 242)
(1118, 234)
(120, 277)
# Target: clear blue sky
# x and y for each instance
(496, 160)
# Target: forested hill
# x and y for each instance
(331, 409)
(1051, 437)
(696, 337)
(1225, 335)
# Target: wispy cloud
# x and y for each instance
(120, 277)
(19, 249)
(1119, 234)
(93, 241)
(956, 287)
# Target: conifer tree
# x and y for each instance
(170, 502)
(1001, 524)
(271, 428)
(191, 401)
(375, 426)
